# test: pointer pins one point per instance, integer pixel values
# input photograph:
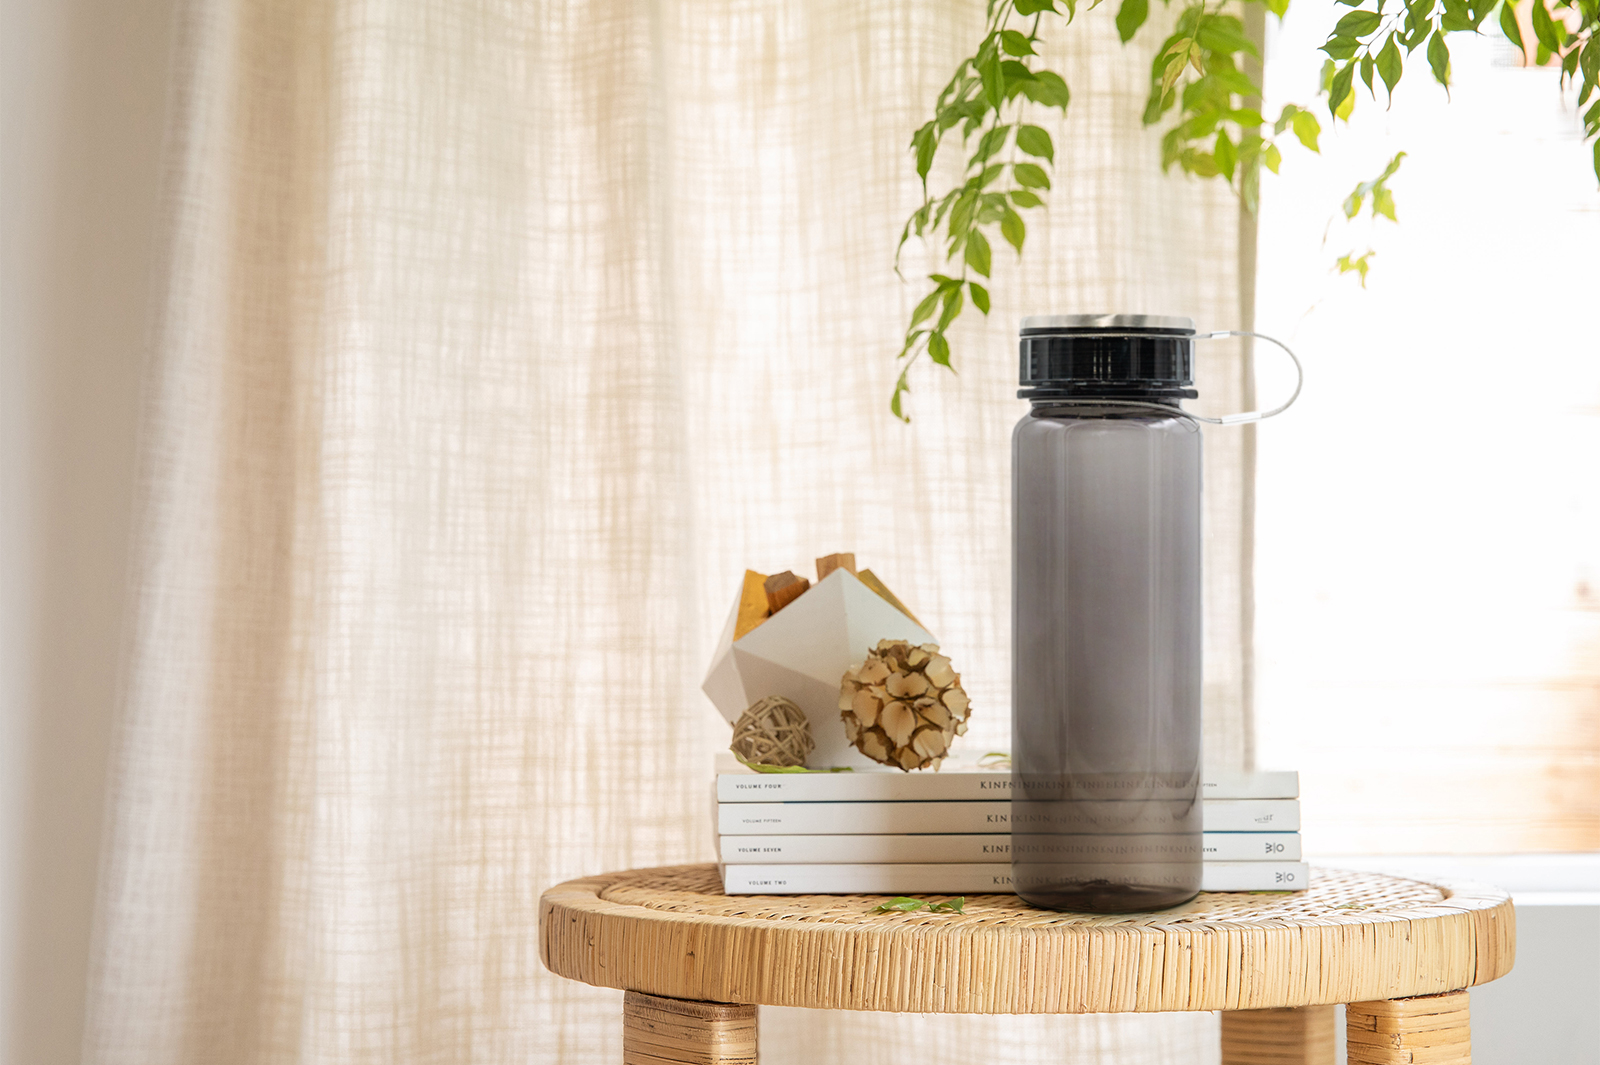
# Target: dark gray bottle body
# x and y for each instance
(1106, 630)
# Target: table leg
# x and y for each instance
(673, 1031)
(1302, 1035)
(1430, 1028)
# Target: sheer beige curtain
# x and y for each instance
(499, 339)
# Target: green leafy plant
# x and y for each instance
(903, 904)
(1204, 85)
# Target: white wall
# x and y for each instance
(83, 105)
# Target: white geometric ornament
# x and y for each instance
(802, 652)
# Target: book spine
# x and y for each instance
(1270, 785)
(950, 787)
(962, 818)
(940, 848)
(862, 787)
(1252, 815)
(1255, 876)
(956, 878)
(862, 818)
(961, 878)
(1250, 846)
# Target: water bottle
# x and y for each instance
(1106, 814)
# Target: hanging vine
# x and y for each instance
(1201, 86)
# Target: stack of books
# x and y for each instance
(950, 833)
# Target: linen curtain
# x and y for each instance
(498, 340)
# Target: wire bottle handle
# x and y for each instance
(1255, 415)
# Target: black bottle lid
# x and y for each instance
(1132, 356)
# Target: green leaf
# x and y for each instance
(994, 83)
(1174, 71)
(1278, 7)
(1200, 163)
(1307, 129)
(990, 143)
(1235, 81)
(1033, 7)
(1030, 176)
(1340, 89)
(1047, 88)
(961, 215)
(900, 388)
(1383, 203)
(1439, 55)
(1015, 43)
(978, 252)
(925, 141)
(1025, 199)
(1358, 264)
(1390, 64)
(980, 296)
(1366, 74)
(1224, 34)
(957, 905)
(1285, 117)
(1543, 28)
(1272, 157)
(1455, 18)
(1353, 202)
(1225, 155)
(1016, 73)
(1509, 26)
(1130, 16)
(1013, 229)
(1341, 47)
(924, 309)
(1036, 141)
(900, 903)
(939, 349)
(953, 301)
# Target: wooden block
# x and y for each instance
(669, 1031)
(1426, 1030)
(828, 563)
(783, 589)
(1294, 1036)
(752, 603)
(871, 580)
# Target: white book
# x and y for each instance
(1252, 815)
(1255, 876)
(1268, 784)
(964, 818)
(968, 878)
(951, 786)
(974, 848)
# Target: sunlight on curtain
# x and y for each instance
(499, 340)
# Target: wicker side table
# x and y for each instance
(697, 962)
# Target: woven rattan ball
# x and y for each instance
(773, 731)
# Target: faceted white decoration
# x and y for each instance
(802, 652)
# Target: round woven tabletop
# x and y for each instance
(1351, 937)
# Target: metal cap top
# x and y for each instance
(1107, 321)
